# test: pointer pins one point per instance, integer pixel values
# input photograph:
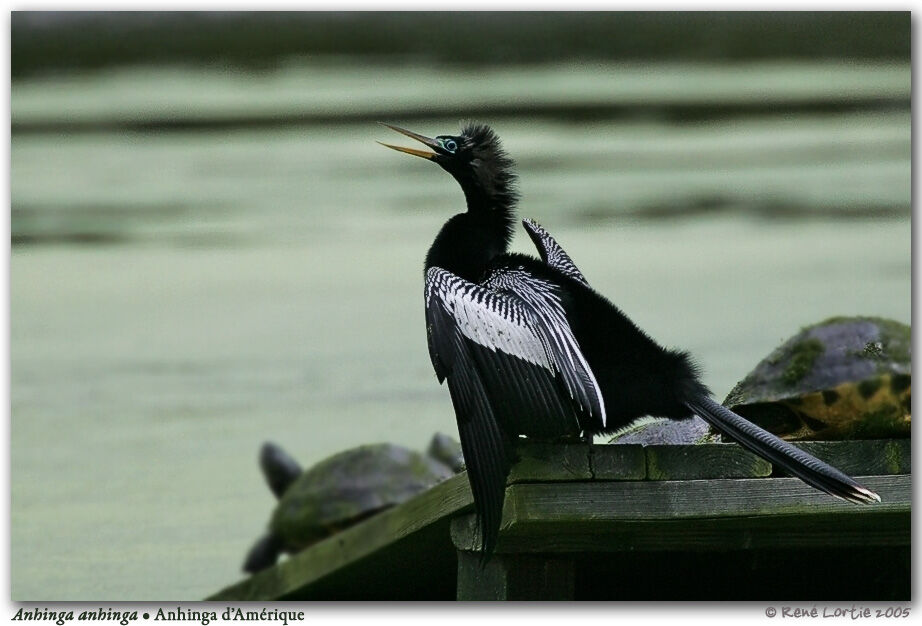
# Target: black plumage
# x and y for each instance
(529, 348)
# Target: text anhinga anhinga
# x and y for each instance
(529, 348)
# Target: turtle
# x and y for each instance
(342, 490)
(661, 430)
(843, 378)
(445, 449)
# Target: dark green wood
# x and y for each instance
(579, 508)
(550, 462)
(515, 577)
(644, 500)
(839, 531)
(799, 574)
(618, 462)
(465, 531)
(866, 457)
(667, 515)
(711, 460)
(555, 462)
(653, 515)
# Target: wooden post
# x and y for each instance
(515, 577)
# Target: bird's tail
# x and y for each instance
(782, 454)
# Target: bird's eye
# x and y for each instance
(449, 144)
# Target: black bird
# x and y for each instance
(529, 348)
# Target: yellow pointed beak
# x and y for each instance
(426, 154)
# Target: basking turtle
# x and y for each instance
(445, 449)
(661, 430)
(844, 378)
(342, 490)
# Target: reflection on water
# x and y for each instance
(178, 298)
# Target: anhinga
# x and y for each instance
(529, 348)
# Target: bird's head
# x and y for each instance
(477, 161)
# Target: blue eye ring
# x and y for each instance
(449, 144)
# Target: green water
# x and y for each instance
(178, 298)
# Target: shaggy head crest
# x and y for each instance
(490, 165)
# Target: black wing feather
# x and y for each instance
(512, 368)
(486, 448)
(551, 252)
(539, 301)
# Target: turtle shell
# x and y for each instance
(348, 487)
(448, 451)
(844, 378)
(663, 431)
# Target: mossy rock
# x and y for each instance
(844, 378)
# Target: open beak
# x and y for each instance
(426, 154)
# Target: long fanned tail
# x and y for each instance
(797, 462)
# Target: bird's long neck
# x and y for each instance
(469, 241)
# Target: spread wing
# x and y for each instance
(513, 367)
(551, 252)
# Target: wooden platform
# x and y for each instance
(627, 522)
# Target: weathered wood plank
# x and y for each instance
(839, 531)
(556, 462)
(549, 462)
(691, 514)
(294, 577)
(711, 460)
(692, 499)
(584, 504)
(621, 462)
(515, 577)
(866, 457)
